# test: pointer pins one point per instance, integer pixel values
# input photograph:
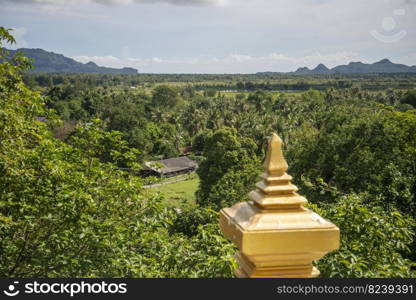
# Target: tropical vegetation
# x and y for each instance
(71, 145)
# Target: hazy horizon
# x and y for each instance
(196, 73)
(216, 36)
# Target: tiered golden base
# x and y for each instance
(248, 269)
(276, 235)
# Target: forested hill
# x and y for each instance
(50, 62)
(382, 66)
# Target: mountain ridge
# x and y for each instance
(50, 62)
(357, 67)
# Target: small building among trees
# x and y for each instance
(170, 167)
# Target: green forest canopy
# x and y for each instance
(68, 210)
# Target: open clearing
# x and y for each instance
(178, 193)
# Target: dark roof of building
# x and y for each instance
(171, 165)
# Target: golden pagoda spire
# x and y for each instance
(275, 163)
(276, 235)
(276, 190)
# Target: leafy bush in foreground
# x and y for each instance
(67, 211)
(373, 241)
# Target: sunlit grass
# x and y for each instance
(179, 193)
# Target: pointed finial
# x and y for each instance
(275, 164)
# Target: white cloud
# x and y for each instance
(19, 36)
(246, 36)
(409, 59)
(186, 2)
(123, 2)
(87, 9)
(112, 2)
(232, 63)
(108, 60)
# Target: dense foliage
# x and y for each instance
(67, 211)
(70, 146)
(228, 171)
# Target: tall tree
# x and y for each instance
(229, 170)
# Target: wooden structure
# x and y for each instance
(170, 167)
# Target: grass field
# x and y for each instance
(179, 193)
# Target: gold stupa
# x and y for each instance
(276, 235)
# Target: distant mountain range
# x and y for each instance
(50, 62)
(382, 66)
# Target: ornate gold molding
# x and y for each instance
(276, 235)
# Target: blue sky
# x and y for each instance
(216, 36)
